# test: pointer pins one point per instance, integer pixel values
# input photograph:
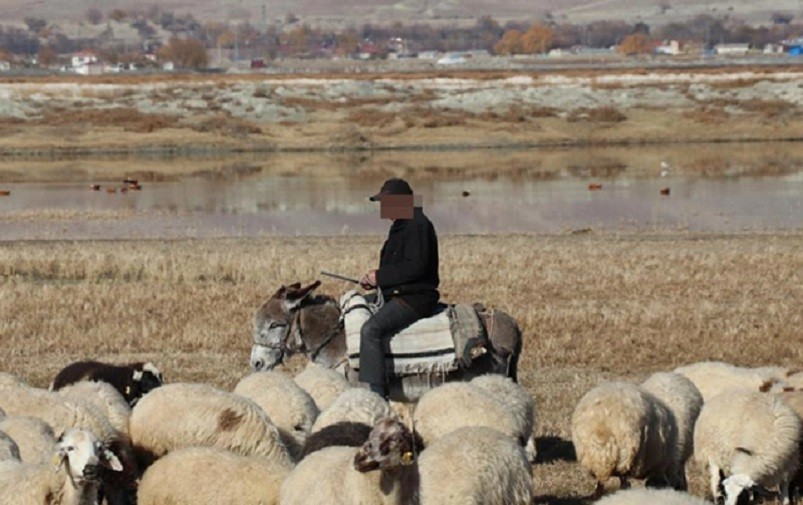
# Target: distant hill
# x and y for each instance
(335, 13)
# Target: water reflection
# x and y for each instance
(260, 201)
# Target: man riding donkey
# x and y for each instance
(407, 276)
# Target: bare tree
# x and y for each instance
(94, 16)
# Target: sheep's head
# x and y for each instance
(83, 452)
(390, 444)
(740, 489)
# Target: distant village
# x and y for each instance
(154, 40)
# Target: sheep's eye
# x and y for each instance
(70, 448)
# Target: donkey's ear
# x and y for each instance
(295, 285)
(294, 297)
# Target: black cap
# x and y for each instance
(393, 187)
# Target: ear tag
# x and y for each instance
(128, 390)
(407, 458)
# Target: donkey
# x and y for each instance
(294, 320)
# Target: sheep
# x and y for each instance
(652, 496)
(324, 385)
(354, 405)
(621, 430)
(9, 450)
(211, 476)
(475, 465)
(685, 401)
(453, 405)
(793, 398)
(345, 475)
(179, 415)
(105, 397)
(73, 479)
(713, 377)
(9, 380)
(63, 412)
(289, 407)
(133, 380)
(348, 434)
(752, 438)
(517, 401)
(34, 437)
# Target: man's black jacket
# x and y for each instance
(408, 264)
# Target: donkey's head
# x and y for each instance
(275, 334)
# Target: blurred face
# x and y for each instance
(396, 207)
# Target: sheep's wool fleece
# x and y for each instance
(211, 476)
(620, 429)
(179, 415)
(762, 423)
(328, 476)
(648, 496)
(475, 465)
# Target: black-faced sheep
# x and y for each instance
(133, 380)
(71, 478)
(621, 430)
(211, 476)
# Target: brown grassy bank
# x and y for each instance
(396, 111)
(591, 307)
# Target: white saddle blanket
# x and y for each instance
(426, 346)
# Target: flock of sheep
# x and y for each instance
(120, 435)
(741, 427)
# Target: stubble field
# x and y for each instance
(593, 307)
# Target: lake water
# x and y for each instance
(229, 203)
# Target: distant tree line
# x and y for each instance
(189, 38)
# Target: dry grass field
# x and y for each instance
(592, 307)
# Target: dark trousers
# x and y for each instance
(393, 317)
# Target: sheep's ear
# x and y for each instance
(137, 375)
(58, 459)
(109, 460)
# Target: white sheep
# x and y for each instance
(454, 405)
(750, 437)
(72, 481)
(9, 450)
(211, 476)
(357, 405)
(179, 415)
(34, 437)
(65, 412)
(383, 471)
(651, 496)
(714, 377)
(289, 407)
(324, 385)
(621, 430)
(11, 380)
(475, 465)
(517, 400)
(105, 397)
(685, 401)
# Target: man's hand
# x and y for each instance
(369, 280)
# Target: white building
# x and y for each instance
(83, 58)
(673, 48)
(739, 49)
